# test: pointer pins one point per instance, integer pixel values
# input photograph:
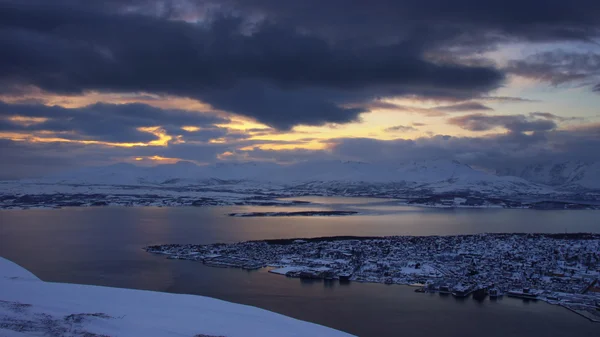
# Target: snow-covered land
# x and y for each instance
(31, 307)
(436, 175)
(561, 269)
(571, 175)
(431, 183)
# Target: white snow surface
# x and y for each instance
(569, 175)
(285, 270)
(438, 175)
(124, 312)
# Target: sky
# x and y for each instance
(493, 84)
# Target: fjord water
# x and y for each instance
(102, 246)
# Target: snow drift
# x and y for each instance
(31, 307)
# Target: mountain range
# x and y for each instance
(437, 176)
(434, 183)
(571, 175)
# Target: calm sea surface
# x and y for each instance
(102, 246)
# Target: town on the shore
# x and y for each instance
(562, 269)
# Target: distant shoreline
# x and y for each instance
(298, 213)
(203, 198)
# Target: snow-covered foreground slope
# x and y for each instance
(31, 307)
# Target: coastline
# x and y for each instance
(443, 264)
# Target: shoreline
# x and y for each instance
(277, 203)
(439, 263)
(14, 195)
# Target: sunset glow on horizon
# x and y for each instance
(284, 86)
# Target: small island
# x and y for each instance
(300, 213)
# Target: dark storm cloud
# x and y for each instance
(102, 122)
(463, 107)
(468, 22)
(292, 76)
(281, 108)
(514, 123)
(596, 88)
(401, 128)
(557, 67)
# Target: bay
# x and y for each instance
(103, 246)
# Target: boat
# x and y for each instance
(419, 285)
(526, 293)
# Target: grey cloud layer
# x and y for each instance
(270, 71)
(101, 122)
(287, 63)
(439, 21)
(509, 150)
(463, 107)
(558, 66)
(401, 128)
(513, 123)
(491, 152)
(303, 62)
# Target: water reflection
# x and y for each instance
(103, 246)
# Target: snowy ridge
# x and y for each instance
(31, 307)
(187, 184)
(437, 176)
(571, 175)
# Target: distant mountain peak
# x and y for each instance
(565, 174)
(438, 176)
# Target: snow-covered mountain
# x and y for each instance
(432, 183)
(565, 175)
(437, 176)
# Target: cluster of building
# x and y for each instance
(558, 268)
